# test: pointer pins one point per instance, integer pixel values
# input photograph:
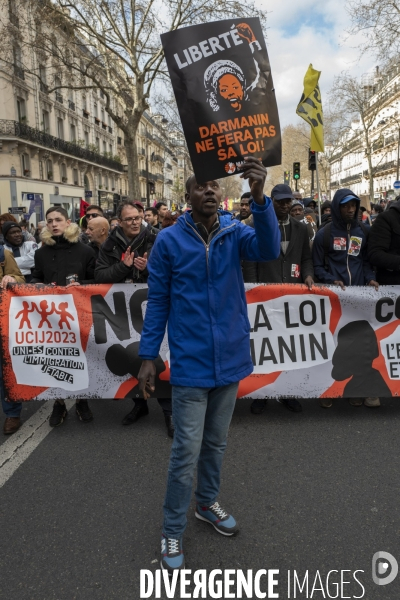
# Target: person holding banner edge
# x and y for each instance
(340, 256)
(64, 260)
(195, 284)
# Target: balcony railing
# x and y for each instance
(151, 176)
(351, 179)
(24, 132)
(387, 166)
(19, 72)
(158, 158)
(59, 98)
(71, 105)
(168, 182)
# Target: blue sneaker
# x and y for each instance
(215, 515)
(172, 558)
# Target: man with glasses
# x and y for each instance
(123, 259)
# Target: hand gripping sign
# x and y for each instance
(223, 86)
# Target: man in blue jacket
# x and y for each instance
(195, 284)
(341, 258)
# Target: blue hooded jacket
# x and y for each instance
(198, 288)
(347, 256)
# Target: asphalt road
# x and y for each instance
(315, 491)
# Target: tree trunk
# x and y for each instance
(133, 167)
(371, 178)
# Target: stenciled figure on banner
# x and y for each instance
(222, 81)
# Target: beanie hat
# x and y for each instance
(9, 225)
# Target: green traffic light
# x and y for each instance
(296, 176)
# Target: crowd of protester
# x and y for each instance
(348, 246)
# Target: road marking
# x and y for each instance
(21, 444)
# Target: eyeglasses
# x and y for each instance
(92, 215)
(130, 220)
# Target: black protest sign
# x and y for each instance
(223, 86)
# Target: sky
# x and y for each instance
(300, 33)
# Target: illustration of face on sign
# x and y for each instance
(223, 87)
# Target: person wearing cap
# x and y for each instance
(340, 256)
(297, 212)
(23, 252)
(293, 265)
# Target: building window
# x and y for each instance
(102, 115)
(63, 172)
(45, 121)
(98, 144)
(26, 167)
(110, 148)
(75, 174)
(99, 180)
(96, 110)
(57, 84)
(42, 78)
(72, 133)
(104, 147)
(21, 110)
(49, 170)
(60, 128)
(41, 169)
(86, 135)
(106, 181)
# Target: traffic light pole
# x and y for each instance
(312, 184)
(318, 188)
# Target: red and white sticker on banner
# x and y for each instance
(83, 342)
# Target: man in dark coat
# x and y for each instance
(346, 262)
(62, 258)
(61, 253)
(384, 245)
(294, 264)
(123, 259)
(341, 257)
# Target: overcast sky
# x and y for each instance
(300, 33)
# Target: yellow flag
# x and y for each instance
(310, 109)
